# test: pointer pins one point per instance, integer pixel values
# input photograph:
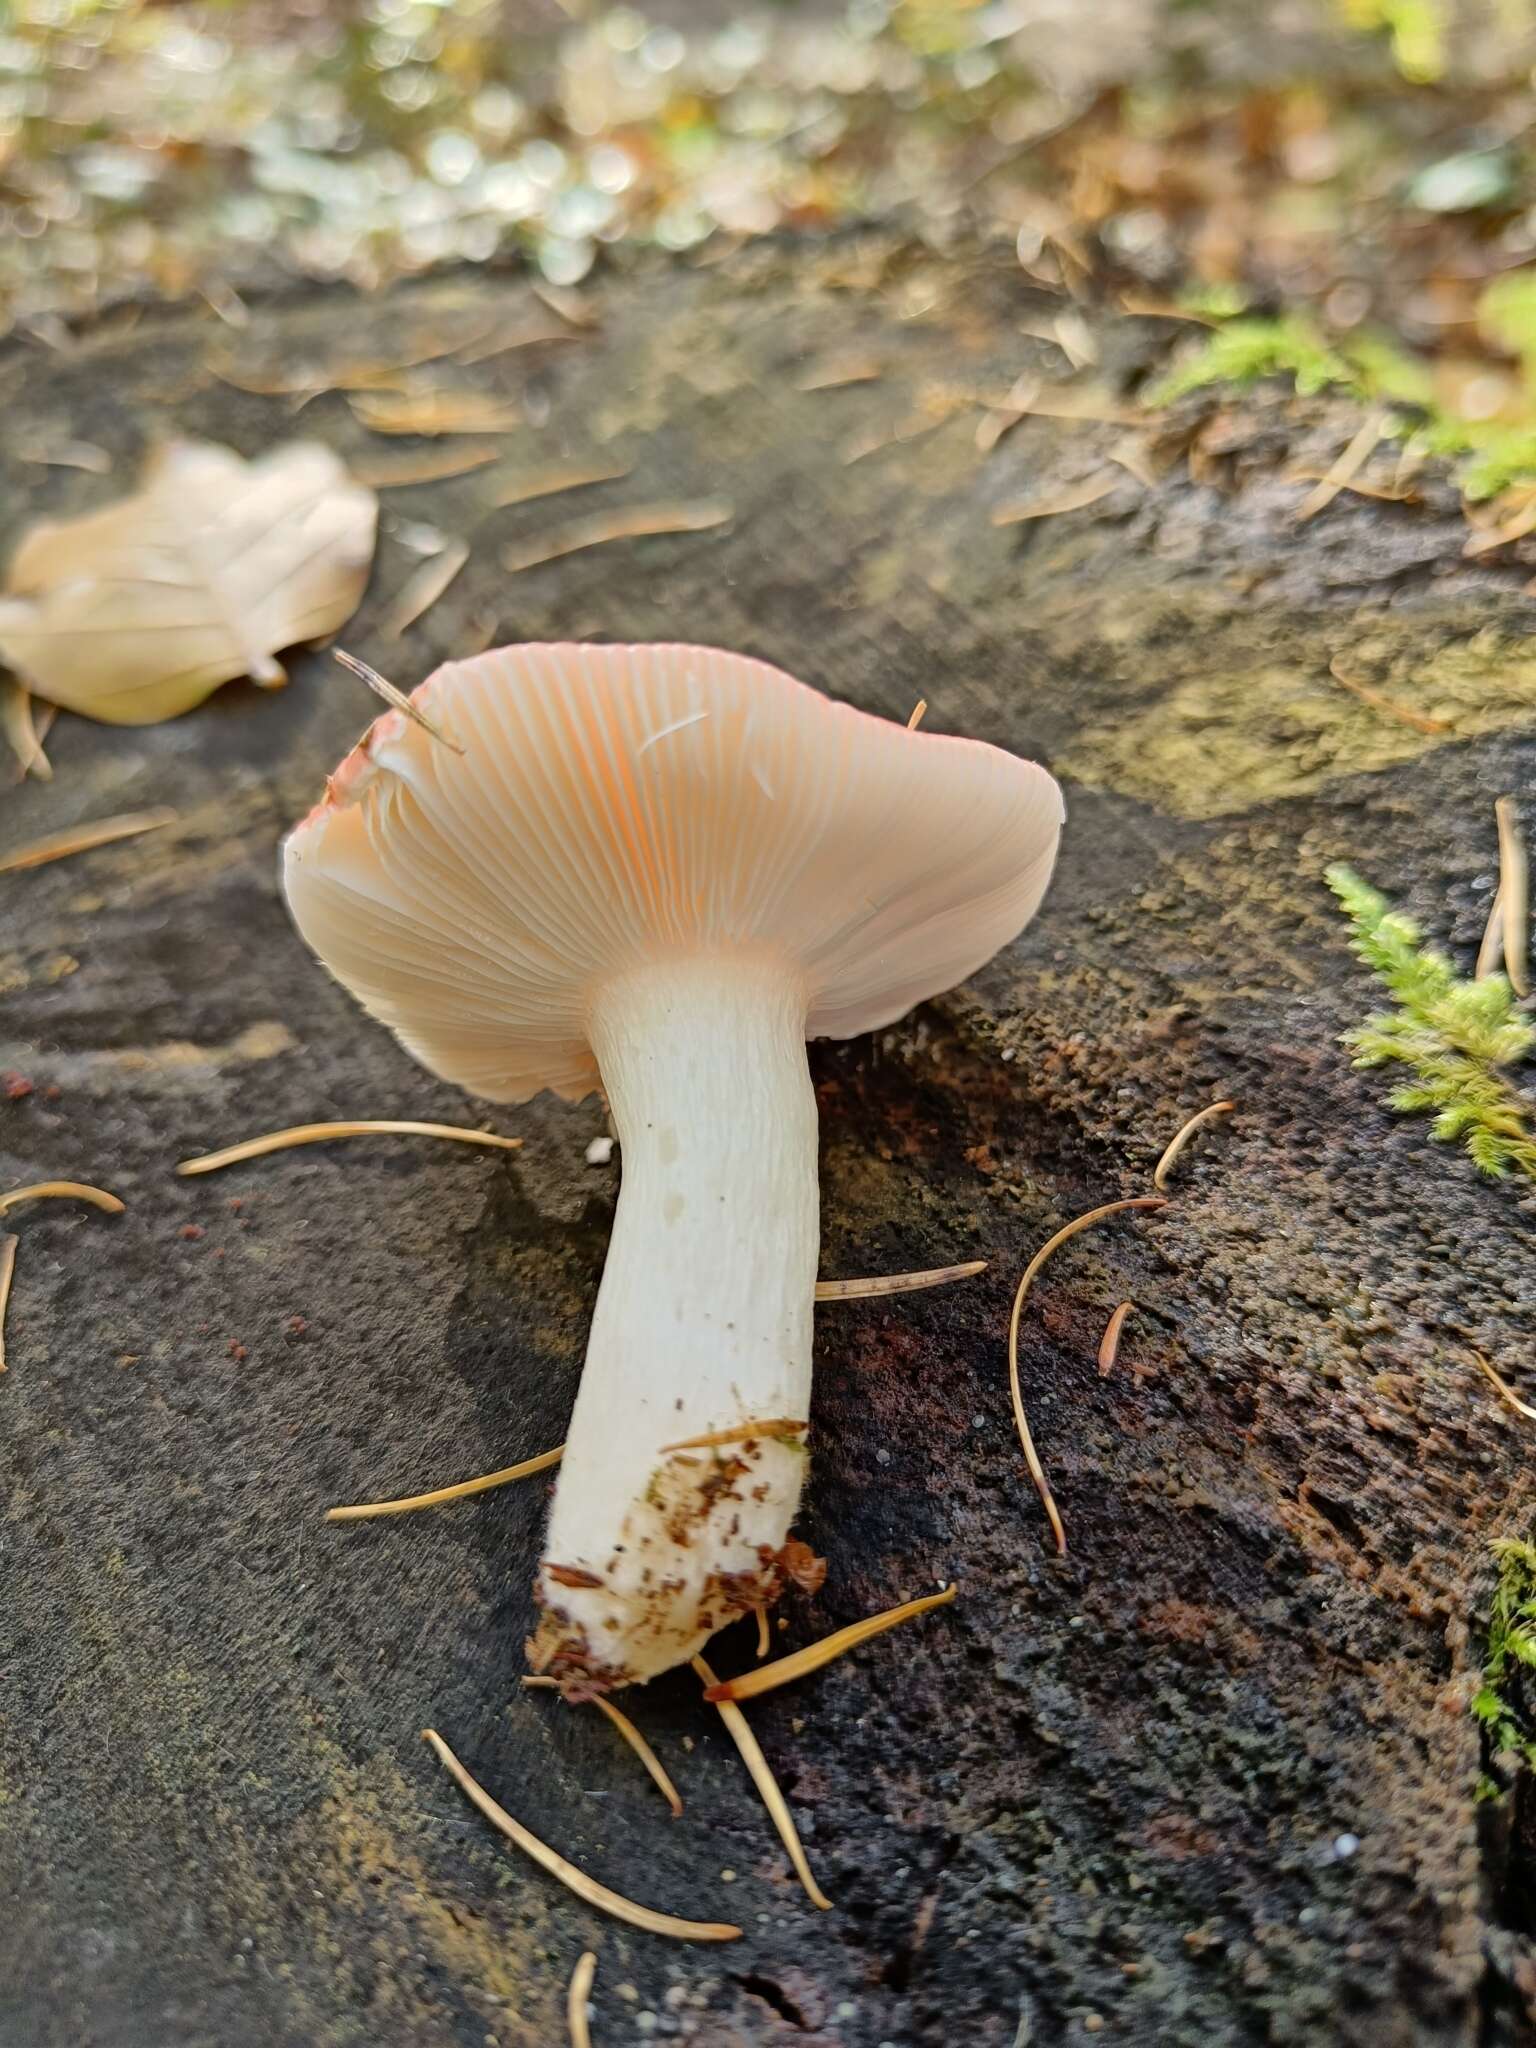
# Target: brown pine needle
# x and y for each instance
(764, 1640)
(919, 713)
(461, 1491)
(1417, 720)
(549, 1859)
(785, 1670)
(1490, 954)
(19, 723)
(1513, 895)
(767, 1785)
(833, 376)
(434, 412)
(64, 1190)
(489, 345)
(7, 1275)
(1109, 1343)
(382, 687)
(1350, 463)
(1521, 1407)
(433, 467)
(321, 1134)
(1073, 499)
(1182, 1137)
(422, 590)
(549, 483)
(897, 1283)
(1031, 1455)
(628, 522)
(576, 2000)
(741, 1432)
(630, 1733)
(85, 838)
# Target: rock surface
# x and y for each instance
(1209, 1779)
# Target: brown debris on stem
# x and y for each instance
(1031, 1455)
(320, 1134)
(741, 1432)
(576, 1696)
(785, 1670)
(365, 1510)
(1182, 1136)
(763, 1778)
(551, 1860)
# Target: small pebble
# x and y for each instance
(599, 1152)
(1344, 1846)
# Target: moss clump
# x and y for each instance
(1456, 1035)
(1245, 350)
(1501, 1704)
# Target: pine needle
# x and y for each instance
(897, 1283)
(785, 1670)
(919, 712)
(627, 1729)
(322, 1134)
(1031, 1455)
(628, 522)
(1416, 720)
(18, 723)
(833, 376)
(422, 590)
(1075, 498)
(397, 699)
(576, 1880)
(1182, 1137)
(85, 838)
(1513, 895)
(7, 1275)
(767, 1785)
(550, 483)
(742, 1432)
(1109, 1343)
(1490, 953)
(1520, 1407)
(434, 412)
(764, 1640)
(1350, 463)
(63, 1190)
(461, 1491)
(576, 2000)
(430, 468)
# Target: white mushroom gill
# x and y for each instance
(658, 870)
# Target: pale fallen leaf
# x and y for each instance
(137, 612)
(629, 522)
(435, 412)
(1072, 499)
(421, 591)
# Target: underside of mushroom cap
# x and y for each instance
(613, 805)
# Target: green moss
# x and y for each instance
(1501, 1704)
(1417, 29)
(1456, 1036)
(1248, 349)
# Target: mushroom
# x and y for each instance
(657, 871)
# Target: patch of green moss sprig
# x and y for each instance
(1501, 1704)
(1457, 1037)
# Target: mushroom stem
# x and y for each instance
(703, 1319)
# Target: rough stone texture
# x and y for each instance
(1098, 1795)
